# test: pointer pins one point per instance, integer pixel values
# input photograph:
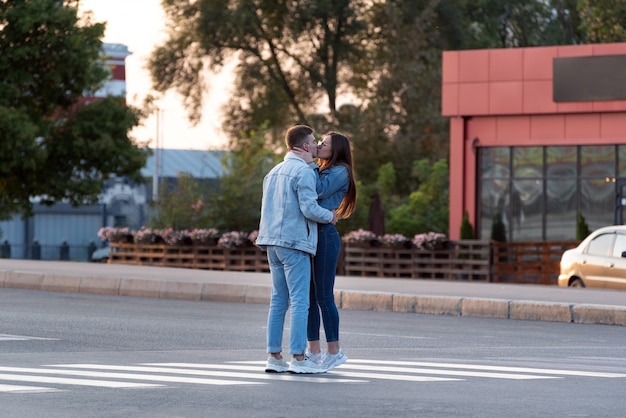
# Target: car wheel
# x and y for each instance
(576, 283)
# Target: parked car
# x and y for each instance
(598, 261)
(101, 255)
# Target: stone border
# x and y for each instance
(345, 299)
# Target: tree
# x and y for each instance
(51, 145)
(467, 230)
(521, 23)
(427, 208)
(290, 56)
(401, 87)
(603, 20)
(238, 206)
(185, 204)
(582, 228)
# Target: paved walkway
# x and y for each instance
(433, 297)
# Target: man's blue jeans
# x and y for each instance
(291, 280)
(323, 285)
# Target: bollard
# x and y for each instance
(64, 251)
(91, 248)
(6, 250)
(36, 250)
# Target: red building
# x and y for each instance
(537, 135)
(115, 58)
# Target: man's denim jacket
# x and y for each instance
(289, 209)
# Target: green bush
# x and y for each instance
(467, 230)
(426, 208)
(582, 229)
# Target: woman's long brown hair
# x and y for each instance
(342, 155)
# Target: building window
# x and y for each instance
(525, 213)
(538, 191)
(561, 198)
(495, 174)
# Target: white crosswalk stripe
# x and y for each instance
(59, 377)
(26, 389)
(9, 337)
(362, 378)
(108, 375)
(558, 372)
(238, 372)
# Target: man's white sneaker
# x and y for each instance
(333, 360)
(276, 366)
(305, 366)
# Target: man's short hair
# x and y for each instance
(297, 135)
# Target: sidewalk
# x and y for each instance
(432, 297)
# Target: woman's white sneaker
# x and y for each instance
(331, 361)
(305, 366)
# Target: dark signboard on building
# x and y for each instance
(582, 79)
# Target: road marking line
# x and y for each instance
(80, 382)
(386, 376)
(492, 368)
(260, 373)
(26, 389)
(408, 371)
(9, 337)
(155, 378)
(335, 372)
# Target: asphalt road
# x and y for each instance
(80, 355)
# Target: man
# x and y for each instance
(288, 232)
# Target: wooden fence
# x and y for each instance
(191, 256)
(465, 260)
(528, 262)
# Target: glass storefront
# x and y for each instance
(538, 191)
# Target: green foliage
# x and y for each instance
(50, 145)
(498, 229)
(233, 205)
(186, 204)
(238, 206)
(401, 84)
(427, 208)
(521, 23)
(386, 182)
(467, 230)
(582, 228)
(603, 20)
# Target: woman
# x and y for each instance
(336, 190)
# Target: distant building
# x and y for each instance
(64, 232)
(537, 137)
(115, 59)
(122, 203)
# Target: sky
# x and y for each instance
(140, 25)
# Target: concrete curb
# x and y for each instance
(345, 299)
